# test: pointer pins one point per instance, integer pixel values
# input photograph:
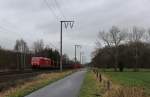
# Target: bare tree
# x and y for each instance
(148, 38)
(38, 46)
(22, 48)
(135, 36)
(113, 37)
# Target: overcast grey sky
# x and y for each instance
(33, 20)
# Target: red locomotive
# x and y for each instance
(42, 62)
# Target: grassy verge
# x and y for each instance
(122, 84)
(129, 84)
(34, 84)
(90, 87)
(137, 81)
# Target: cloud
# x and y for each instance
(32, 20)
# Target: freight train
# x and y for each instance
(42, 62)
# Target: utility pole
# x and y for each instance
(67, 23)
(76, 52)
(81, 56)
(82, 59)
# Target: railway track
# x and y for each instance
(14, 72)
(18, 74)
(24, 71)
(9, 79)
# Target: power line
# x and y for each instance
(59, 9)
(6, 30)
(51, 10)
(54, 46)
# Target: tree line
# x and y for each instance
(119, 48)
(20, 57)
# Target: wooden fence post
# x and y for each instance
(100, 77)
(108, 85)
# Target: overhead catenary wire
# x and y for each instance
(51, 10)
(54, 46)
(5, 29)
(59, 9)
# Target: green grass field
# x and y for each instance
(130, 84)
(131, 79)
